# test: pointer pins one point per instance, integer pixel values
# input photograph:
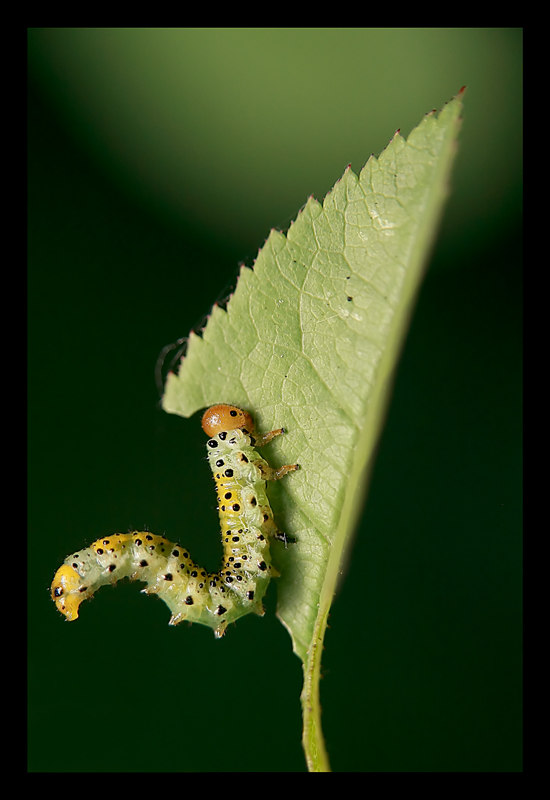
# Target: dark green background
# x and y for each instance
(130, 242)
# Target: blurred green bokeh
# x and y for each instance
(232, 130)
(159, 159)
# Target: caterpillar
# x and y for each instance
(189, 591)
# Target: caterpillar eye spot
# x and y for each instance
(190, 592)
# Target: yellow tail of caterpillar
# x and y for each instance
(191, 593)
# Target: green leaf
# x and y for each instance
(310, 341)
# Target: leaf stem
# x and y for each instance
(312, 735)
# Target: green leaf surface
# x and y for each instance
(309, 341)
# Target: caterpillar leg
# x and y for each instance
(269, 527)
(270, 474)
(264, 438)
(282, 537)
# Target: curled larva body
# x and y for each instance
(192, 594)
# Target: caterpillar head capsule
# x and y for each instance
(226, 418)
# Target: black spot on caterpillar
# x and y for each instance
(247, 523)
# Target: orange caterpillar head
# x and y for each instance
(226, 418)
